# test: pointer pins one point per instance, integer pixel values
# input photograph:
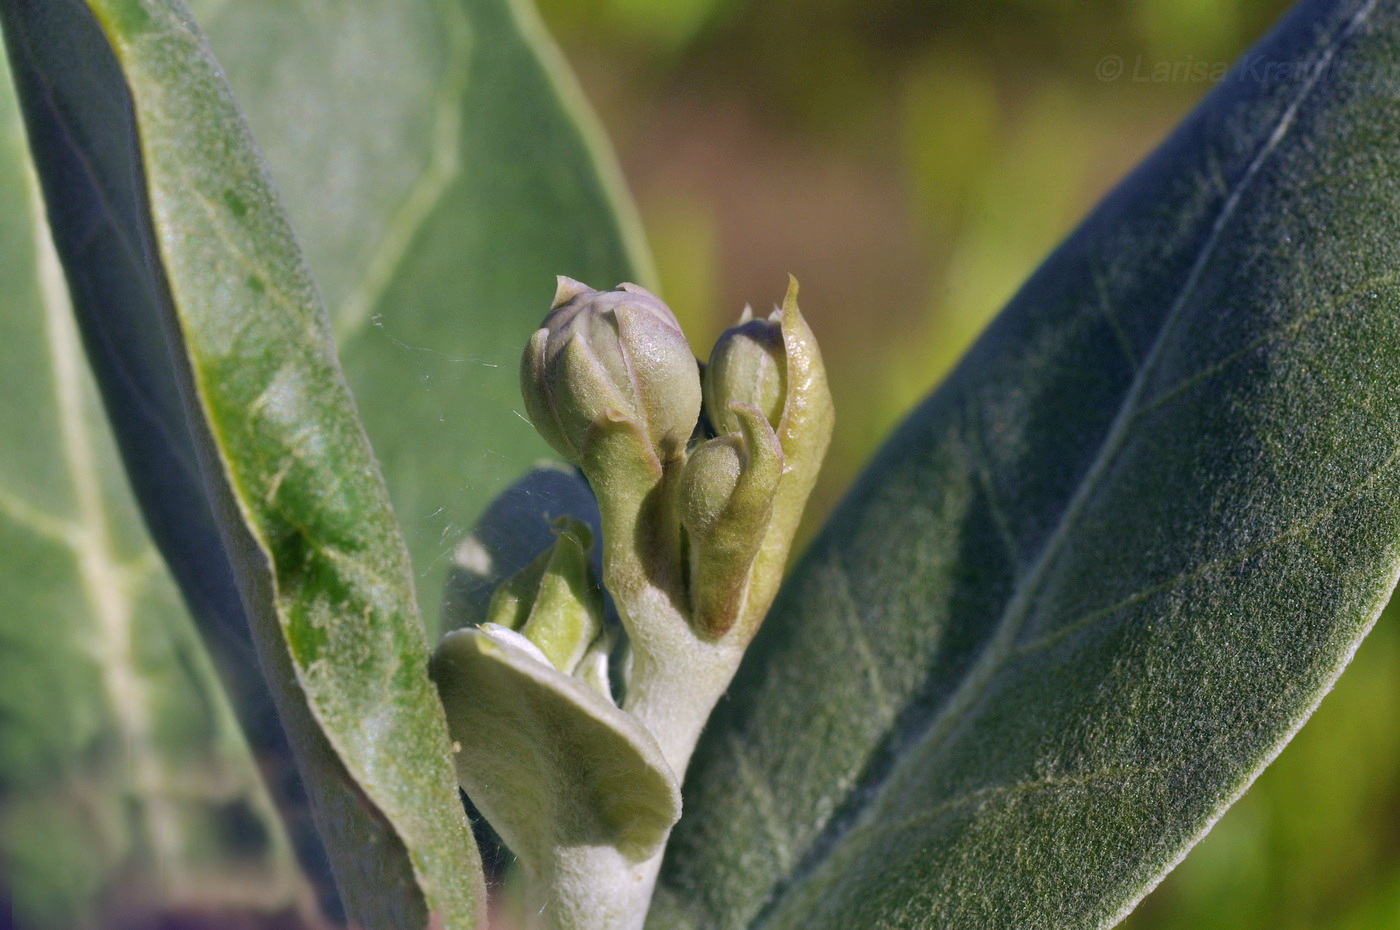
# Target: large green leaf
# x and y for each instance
(1095, 582)
(437, 164)
(125, 786)
(301, 505)
(96, 215)
(370, 112)
(427, 148)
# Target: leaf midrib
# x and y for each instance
(1013, 618)
(427, 190)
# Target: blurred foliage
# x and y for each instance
(911, 161)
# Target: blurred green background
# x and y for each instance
(911, 161)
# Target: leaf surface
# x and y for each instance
(97, 213)
(370, 112)
(565, 767)
(1094, 583)
(123, 775)
(300, 504)
(440, 167)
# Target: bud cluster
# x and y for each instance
(701, 472)
(611, 383)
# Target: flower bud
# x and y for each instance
(769, 373)
(617, 351)
(554, 603)
(711, 474)
(748, 366)
(726, 501)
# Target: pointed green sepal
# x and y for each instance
(511, 601)
(726, 502)
(804, 432)
(804, 429)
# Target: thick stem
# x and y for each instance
(676, 681)
(804, 433)
(591, 888)
(676, 677)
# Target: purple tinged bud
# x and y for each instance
(748, 365)
(620, 351)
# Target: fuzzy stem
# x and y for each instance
(590, 888)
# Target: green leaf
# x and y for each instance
(563, 774)
(325, 87)
(396, 127)
(123, 776)
(440, 168)
(511, 534)
(1094, 583)
(95, 213)
(320, 563)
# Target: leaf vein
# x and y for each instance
(1000, 649)
(43, 524)
(444, 165)
(1291, 327)
(1300, 529)
(979, 461)
(860, 639)
(1110, 314)
(764, 800)
(1024, 788)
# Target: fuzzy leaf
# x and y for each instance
(552, 763)
(300, 504)
(1094, 583)
(123, 777)
(441, 169)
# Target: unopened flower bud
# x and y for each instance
(765, 372)
(617, 352)
(554, 603)
(726, 500)
(749, 366)
(708, 482)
